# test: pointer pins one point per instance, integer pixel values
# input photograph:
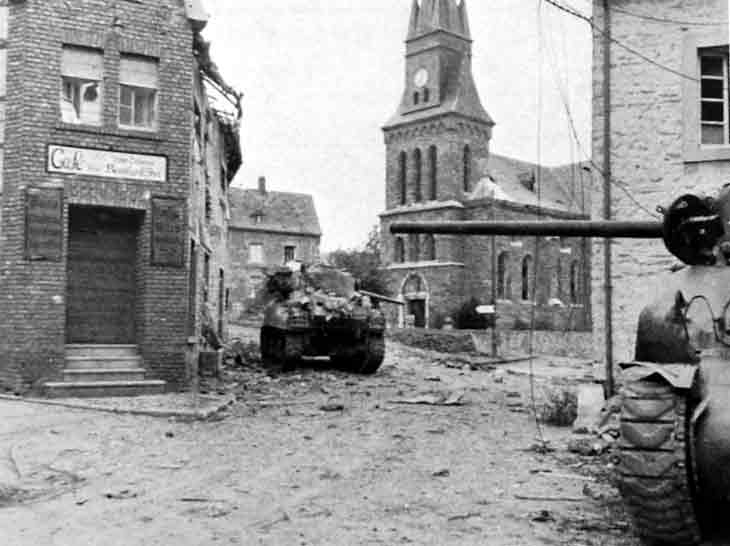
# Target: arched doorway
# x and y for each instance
(414, 291)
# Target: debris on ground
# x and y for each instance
(242, 353)
(560, 407)
(443, 473)
(588, 447)
(434, 399)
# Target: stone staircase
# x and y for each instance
(94, 371)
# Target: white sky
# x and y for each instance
(320, 78)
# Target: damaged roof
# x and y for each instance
(566, 188)
(277, 211)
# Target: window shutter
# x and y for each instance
(138, 72)
(82, 63)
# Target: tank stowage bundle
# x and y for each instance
(317, 311)
(673, 461)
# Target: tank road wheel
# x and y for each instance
(267, 342)
(655, 472)
(292, 349)
(374, 354)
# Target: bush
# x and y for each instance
(559, 409)
(467, 318)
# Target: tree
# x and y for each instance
(364, 263)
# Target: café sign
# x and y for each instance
(107, 164)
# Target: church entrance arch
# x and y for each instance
(415, 294)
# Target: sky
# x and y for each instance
(321, 77)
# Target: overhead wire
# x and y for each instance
(571, 121)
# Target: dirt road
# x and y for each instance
(312, 458)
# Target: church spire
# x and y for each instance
(431, 15)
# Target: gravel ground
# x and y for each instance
(420, 453)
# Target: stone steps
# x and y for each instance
(95, 371)
(102, 389)
(104, 374)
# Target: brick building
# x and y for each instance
(115, 175)
(439, 167)
(267, 229)
(667, 133)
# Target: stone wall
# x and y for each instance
(654, 151)
(569, 344)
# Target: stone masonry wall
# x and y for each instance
(32, 294)
(652, 136)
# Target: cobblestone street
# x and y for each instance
(419, 453)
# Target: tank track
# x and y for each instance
(364, 357)
(280, 348)
(655, 467)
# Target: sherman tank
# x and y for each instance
(317, 311)
(673, 459)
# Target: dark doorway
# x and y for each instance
(101, 275)
(417, 308)
(221, 301)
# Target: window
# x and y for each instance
(574, 282)
(256, 253)
(713, 97)
(426, 95)
(433, 173)
(466, 170)
(504, 282)
(138, 84)
(417, 174)
(429, 248)
(416, 97)
(403, 177)
(206, 276)
(526, 265)
(399, 254)
(414, 247)
(81, 77)
(289, 254)
(258, 218)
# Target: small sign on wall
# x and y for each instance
(168, 231)
(106, 164)
(44, 224)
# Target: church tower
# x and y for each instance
(435, 144)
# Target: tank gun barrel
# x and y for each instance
(373, 295)
(557, 228)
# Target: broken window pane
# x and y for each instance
(81, 75)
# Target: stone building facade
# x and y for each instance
(267, 229)
(101, 194)
(439, 167)
(668, 135)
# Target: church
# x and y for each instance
(439, 168)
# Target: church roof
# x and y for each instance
(278, 211)
(565, 188)
(460, 97)
(430, 15)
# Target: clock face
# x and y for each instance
(420, 78)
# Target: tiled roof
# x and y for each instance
(280, 211)
(566, 188)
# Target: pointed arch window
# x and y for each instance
(414, 248)
(504, 281)
(466, 174)
(526, 272)
(402, 177)
(574, 282)
(433, 173)
(417, 162)
(429, 248)
(399, 255)
(426, 95)
(416, 97)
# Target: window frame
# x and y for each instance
(251, 256)
(293, 249)
(706, 53)
(134, 89)
(692, 149)
(78, 82)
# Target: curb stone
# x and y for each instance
(196, 415)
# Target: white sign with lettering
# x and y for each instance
(70, 160)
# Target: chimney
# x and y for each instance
(262, 184)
